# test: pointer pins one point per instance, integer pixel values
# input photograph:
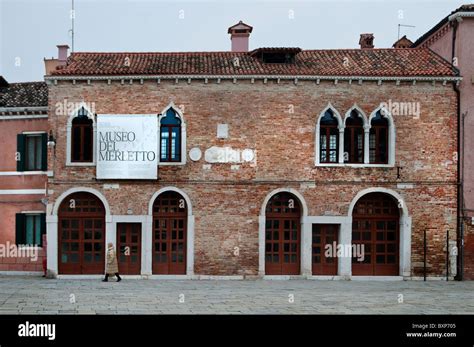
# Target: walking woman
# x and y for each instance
(112, 264)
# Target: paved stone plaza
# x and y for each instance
(35, 295)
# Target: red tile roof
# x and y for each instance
(344, 62)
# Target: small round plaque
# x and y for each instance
(195, 154)
(247, 155)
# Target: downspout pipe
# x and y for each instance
(459, 185)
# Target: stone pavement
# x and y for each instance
(36, 295)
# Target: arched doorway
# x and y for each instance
(169, 234)
(282, 235)
(81, 237)
(376, 236)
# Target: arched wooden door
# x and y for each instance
(169, 234)
(375, 226)
(81, 235)
(282, 235)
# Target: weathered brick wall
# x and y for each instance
(226, 203)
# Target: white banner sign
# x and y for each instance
(127, 146)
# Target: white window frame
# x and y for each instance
(179, 114)
(391, 137)
(340, 127)
(366, 126)
(73, 115)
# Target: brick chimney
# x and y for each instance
(62, 53)
(366, 41)
(53, 64)
(239, 36)
(404, 42)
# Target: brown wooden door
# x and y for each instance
(81, 235)
(129, 245)
(282, 235)
(324, 263)
(169, 234)
(375, 231)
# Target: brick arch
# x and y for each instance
(301, 199)
(68, 192)
(394, 194)
(189, 206)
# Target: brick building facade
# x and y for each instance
(23, 175)
(452, 39)
(265, 157)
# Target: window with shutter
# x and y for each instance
(30, 229)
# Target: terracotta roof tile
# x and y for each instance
(343, 62)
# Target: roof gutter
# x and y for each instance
(460, 15)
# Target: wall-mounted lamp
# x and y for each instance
(51, 140)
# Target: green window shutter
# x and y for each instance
(44, 152)
(20, 228)
(43, 227)
(20, 148)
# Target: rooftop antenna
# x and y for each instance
(73, 15)
(404, 25)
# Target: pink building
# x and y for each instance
(23, 175)
(453, 39)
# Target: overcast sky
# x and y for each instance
(31, 29)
